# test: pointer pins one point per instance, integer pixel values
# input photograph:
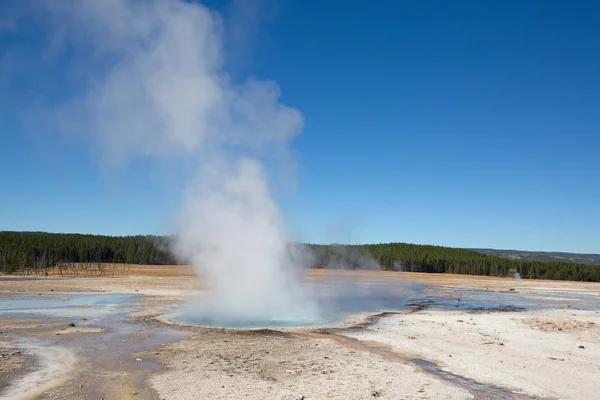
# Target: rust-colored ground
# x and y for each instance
(135, 277)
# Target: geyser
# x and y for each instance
(155, 86)
(233, 233)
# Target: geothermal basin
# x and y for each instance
(148, 333)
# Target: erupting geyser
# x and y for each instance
(157, 88)
(233, 233)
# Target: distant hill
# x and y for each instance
(592, 259)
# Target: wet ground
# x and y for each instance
(340, 302)
(87, 339)
(87, 342)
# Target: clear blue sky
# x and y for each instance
(468, 124)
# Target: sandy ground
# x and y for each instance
(218, 364)
(428, 354)
(12, 361)
(545, 353)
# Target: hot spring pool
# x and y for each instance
(338, 303)
(335, 303)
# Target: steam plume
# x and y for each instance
(156, 87)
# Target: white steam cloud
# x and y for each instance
(156, 87)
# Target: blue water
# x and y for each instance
(337, 302)
(64, 305)
(473, 299)
(340, 302)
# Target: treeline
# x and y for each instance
(22, 251)
(438, 259)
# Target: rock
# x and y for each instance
(72, 325)
(500, 344)
(581, 347)
(459, 320)
(375, 393)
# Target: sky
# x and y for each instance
(465, 124)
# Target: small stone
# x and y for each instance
(375, 393)
(459, 320)
(449, 355)
(500, 344)
(71, 325)
(581, 347)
